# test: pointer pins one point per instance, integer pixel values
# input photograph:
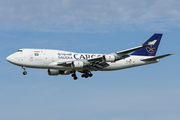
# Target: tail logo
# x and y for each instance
(150, 49)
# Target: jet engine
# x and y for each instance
(64, 72)
(109, 58)
(77, 64)
(57, 72)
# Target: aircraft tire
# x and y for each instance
(82, 75)
(75, 78)
(73, 75)
(24, 73)
(90, 75)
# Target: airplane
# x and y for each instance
(58, 62)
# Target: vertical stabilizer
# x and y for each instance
(150, 50)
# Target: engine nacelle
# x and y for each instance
(77, 64)
(57, 72)
(109, 58)
(53, 72)
(64, 72)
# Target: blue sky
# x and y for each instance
(91, 26)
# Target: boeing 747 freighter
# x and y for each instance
(65, 63)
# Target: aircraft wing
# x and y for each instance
(136, 48)
(93, 64)
(97, 63)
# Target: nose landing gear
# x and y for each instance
(24, 73)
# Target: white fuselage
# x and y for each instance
(47, 59)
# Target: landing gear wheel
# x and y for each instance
(86, 74)
(75, 78)
(82, 75)
(90, 75)
(24, 73)
(73, 75)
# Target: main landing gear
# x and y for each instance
(24, 73)
(74, 75)
(87, 74)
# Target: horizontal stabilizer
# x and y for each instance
(155, 58)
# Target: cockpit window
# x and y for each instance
(19, 51)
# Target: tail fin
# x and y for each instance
(150, 50)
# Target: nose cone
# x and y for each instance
(10, 58)
(13, 58)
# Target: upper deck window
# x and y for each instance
(19, 51)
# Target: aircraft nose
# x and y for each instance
(9, 58)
